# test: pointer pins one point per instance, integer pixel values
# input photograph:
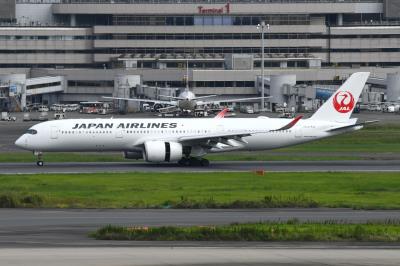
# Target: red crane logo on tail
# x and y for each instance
(343, 101)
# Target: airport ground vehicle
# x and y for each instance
(5, 116)
(58, 116)
(44, 116)
(247, 109)
(391, 108)
(72, 107)
(186, 141)
(43, 108)
(64, 107)
(58, 108)
(94, 108)
(374, 107)
(26, 117)
(286, 115)
(146, 107)
(32, 107)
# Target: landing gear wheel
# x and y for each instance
(184, 162)
(39, 158)
(194, 161)
(204, 162)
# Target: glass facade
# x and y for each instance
(207, 20)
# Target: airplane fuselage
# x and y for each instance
(187, 104)
(128, 134)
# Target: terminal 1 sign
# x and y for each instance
(214, 10)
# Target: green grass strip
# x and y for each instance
(202, 190)
(288, 231)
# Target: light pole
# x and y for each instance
(187, 74)
(262, 28)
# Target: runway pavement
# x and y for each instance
(60, 228)
(299, 255)
(227, 166)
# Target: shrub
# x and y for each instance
(8, 201)
(33, 200)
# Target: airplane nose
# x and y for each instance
(20, 142)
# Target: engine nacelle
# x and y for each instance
(161, 151)
(133, 155)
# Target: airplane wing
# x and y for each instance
(183, 98)
(233, 139)
(169, 109)
(141, 100)
(236, 135)
(236, 100)
(173, 97)
(206, 96)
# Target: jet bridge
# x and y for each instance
(16, 90)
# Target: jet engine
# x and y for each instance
(133, 155)
(161, 151)
(157, 106)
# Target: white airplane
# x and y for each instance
(187, 141)
(186, 100)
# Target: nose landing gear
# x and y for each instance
(39, 161)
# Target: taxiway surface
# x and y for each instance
(227, 166)
(60, 228)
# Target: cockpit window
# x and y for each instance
(31, 131)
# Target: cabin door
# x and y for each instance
(298, 133)
(118, 133)
(54, 132)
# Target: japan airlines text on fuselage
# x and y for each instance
(171, 140)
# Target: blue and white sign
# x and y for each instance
(323, 93)
(13, 88)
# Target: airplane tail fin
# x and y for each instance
(339, 107)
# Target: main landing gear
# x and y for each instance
(39, 161)
(192, 161)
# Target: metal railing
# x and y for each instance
(207, 1)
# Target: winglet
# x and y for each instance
(222, 113)
(291, 124)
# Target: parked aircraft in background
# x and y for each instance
(186, 101)
(187, 141)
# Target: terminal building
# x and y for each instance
(216, 45)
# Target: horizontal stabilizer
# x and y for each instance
(354, 125)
